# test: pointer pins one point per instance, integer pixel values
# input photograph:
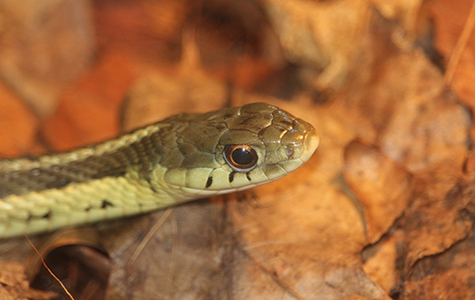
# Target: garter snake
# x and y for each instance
(184, 157)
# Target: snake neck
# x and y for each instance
(91, 163)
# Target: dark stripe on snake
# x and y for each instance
(93, 167)
(209, 182)
(106, 203)
(231, 176)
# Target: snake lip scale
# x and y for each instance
(179, 159)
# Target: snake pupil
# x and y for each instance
(241, 158)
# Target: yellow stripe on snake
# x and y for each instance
(184, 157)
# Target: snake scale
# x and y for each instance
(184, 157)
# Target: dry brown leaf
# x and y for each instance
(382, 187)
(405, 13)
(148, 30)
(381, 265)
(186, 258)
(448, 275)
(89, 110)
(428, 129)
(157, 96)
(438, 217)
(20, 125)
(13, 284)
(43, 47)
(450, 20)
(309, 36)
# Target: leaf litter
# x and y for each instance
(383, 210)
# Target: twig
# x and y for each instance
(47, 268)
(460, 46)
(149, 235)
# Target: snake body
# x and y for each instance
(184, 157)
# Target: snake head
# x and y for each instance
(235, 149)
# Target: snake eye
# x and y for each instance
(240, 158)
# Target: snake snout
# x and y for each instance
(310, 141)
(300, 141)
